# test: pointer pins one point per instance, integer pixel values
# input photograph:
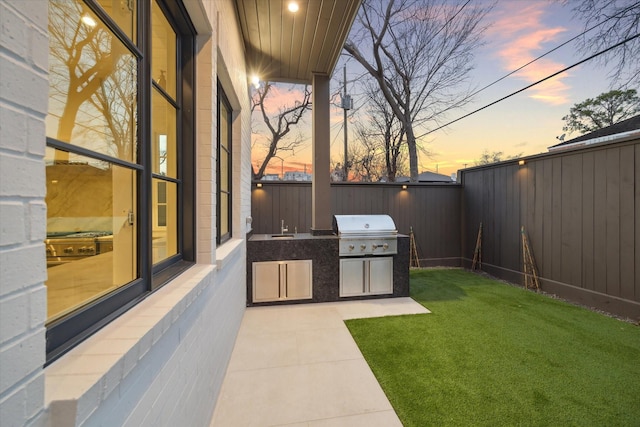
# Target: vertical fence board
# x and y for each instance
(636, 217)
(613, 221)
(600, 224)
(571, 219)
(490, 242)
(529, 202)
(500, 215)
(588, 185)
(627, 222)
(546, 269)
(513, 223)
(538, 212)
(556, 218)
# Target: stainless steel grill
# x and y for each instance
(66, 247)
(365, 235)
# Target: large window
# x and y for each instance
(119, 159)
(224, 168)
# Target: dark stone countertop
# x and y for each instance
(294, 236)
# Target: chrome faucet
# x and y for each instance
(283, 228)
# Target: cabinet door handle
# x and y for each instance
(365, 276)
(286, 281)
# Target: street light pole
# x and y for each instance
(345, 107)
(281, 166)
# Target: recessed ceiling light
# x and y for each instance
(293, 6)
(87, 20)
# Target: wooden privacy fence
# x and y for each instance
(581, 212)
(433, 210)
(580, 208)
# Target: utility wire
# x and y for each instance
(452, 18)
(556, 48)
(534, 84)
(527, 64)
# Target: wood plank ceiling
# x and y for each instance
(287, 46)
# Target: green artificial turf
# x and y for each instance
(491, 354)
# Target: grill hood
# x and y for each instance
(364, 225)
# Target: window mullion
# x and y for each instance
(145, 85)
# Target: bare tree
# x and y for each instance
(336, 171)
(619, 20)
(367, 161)
(379, 149)
(279, 125)
(116, 100)
(90, 67)
(389, 129)
(419, 52)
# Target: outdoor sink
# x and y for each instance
(282, 236)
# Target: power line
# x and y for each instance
(452, 18)
(533, 84)
(555, 48)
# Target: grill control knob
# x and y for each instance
(374, 246)
(385, 246)
(351, 247)
(363, 247)
(68, 250)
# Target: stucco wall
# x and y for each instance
(163, 361)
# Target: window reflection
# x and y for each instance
(163, 45)
(123, 12)
(163, 148)
(91, 232)
(224, 217)
(92, 91)
(165, 220)
(224, 169)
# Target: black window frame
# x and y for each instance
(222, 98)
(64, 334)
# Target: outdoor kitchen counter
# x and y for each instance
(296, 236)
(323, 251)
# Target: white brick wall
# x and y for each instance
(23, 106)
(233, 74)
(162, 362)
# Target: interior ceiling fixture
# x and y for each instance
(293, 6)
(88, 20)
(291, 47)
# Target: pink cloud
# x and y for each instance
(522, 36)
(282, 97)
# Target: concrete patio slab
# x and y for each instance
(297, 365)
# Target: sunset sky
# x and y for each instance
(527, 123)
